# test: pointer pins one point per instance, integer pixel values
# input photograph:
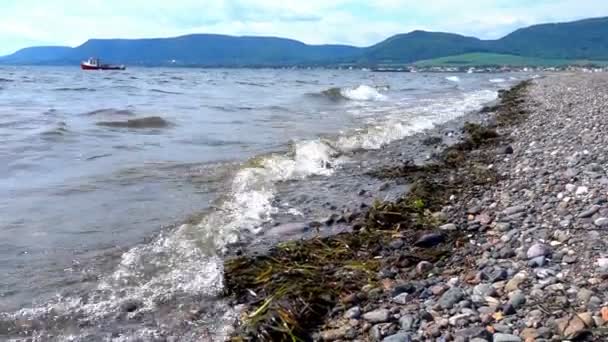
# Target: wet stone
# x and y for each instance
(499, 337)
(537, 250)
(601, 222)
(451, 297)
(377, 316)
(400, 337)
(429, 240)
(589, 212)
(353, 313)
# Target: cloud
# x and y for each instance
(359, 22)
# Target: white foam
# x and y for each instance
(453, 78)
(498, 80)
(362, 93)
(407, 121)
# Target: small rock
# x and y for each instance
(507, 150)
(582, 190)
(454, 320)
(514, 283)
(429, 240)
(589, 212)
(423, 267)
(514, 210)
(602, 263)
(448, 226)
(569, 259)
(498, 337)
(403, 288)
(601, 222)
(400, 337)
(377, 316)
(407, 322)
(529, 334)
(396, 244)
(451, 297)
(537, 250)
(353, 313)
(503, 226)
(333, 335)
(508, 310)
(402, 298)
(573, 326)
(537, 262)
(517, 299)
(583, 295)
(484, 290)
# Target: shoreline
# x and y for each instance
(297, 280)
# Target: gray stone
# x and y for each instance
(537, 262)
(517, 299)
(407, 322)
(402, 298)
(484, 290)
(498, 337)
(396, 244)
(589, 212)
(569, 259)
(353, 313)
(377, 316)
(449, 226)
(474, 332)
(514, 210)
(601, 222)
(503, 226)
(451, 297)
(537, 250)
(583, 295)
(424, 266)
(400, 337)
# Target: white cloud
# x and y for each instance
(360, 22)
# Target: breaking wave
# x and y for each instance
(453, 78)
(182, 268)
(359, 93)
(498, 80)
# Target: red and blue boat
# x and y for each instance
(95, 64)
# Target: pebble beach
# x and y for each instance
(514, 249)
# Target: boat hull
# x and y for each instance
(101, 67)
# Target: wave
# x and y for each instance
(453, 78)
(160, 91)
(6, 80)
(75, 89)
(59, 130)
(359, 93)
(110, 112)
(147, 122)
(498, 80)
(181, 267)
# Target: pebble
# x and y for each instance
(449, 227)
(514, 210)
(407, 322)
(499, 337)
(429, 240)
(601, 222)
(589, 212)
(400, 337)
(451, 297)
(423, 267)
(537, 250)
(353, 313)
(377, 316)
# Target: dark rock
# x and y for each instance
(508, 310)
(403, 288)
(451, 297)
(353, 313)
(506, 150)
(407, 322)
(429, 240)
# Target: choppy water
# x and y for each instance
(98, 171)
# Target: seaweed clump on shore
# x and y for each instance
(289, 290)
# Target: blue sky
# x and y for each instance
(359, 22)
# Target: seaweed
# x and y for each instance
(291, 289)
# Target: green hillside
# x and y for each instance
(493, 59)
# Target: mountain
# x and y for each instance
(583, 39)
(420, 45)
(199, 50)
(579, 40)
(36, 55)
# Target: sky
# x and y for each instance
(358, 22)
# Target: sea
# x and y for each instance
(121, 192)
